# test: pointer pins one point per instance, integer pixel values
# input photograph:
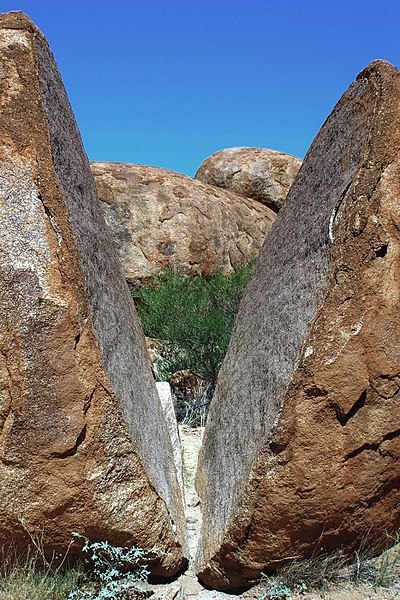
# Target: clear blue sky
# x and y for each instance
(169, 82)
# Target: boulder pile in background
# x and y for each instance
(158, 217)
(258, 173)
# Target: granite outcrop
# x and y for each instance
(259, 173)
(160, 218)
(84, 446)
(301, 452)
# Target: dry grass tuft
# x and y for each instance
(314, 573)
(33, 576)
(23, 580)
(380, 571)
(322, 573)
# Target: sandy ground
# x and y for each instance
(191, 439)
(187, 585)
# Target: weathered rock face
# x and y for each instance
(83, 442)
(259, 173)
(159, 217)
(302, 444)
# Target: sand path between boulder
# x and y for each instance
(191, 438)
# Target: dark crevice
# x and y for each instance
(9, 462)
(77, 338)
(88, 401)
(277, 447)
(315, 391)
(392, 435)
(372, 446)
(47, 211)
(338, 205)
(108, 392)
(344, 418)
(232, 175)
(382, 251)
(51, 220)
(72, 451)
(361, 449)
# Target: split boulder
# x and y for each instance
(158, 217)
(84, 445)
(259, 173)
(301, 452)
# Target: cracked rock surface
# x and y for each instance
(259, 173)
(84, 445)
(159, 217)
(301, 450)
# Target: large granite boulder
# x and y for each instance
(158, 217)
(84, 446)
(301, 452)
(259, 173)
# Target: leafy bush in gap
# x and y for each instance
(195, 315)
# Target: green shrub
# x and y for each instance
(195, 315)
(110, 573)
(117, 571)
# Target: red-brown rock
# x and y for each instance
(259, 173)
(301, 452)
(84, 445)
(158, 217)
